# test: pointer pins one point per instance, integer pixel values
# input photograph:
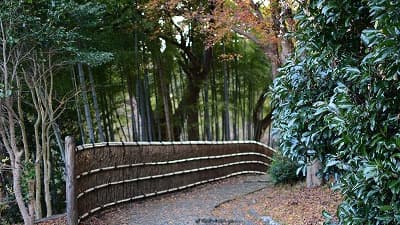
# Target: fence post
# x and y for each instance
(70, 181)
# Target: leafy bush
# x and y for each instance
(338, 100)
(283, 169)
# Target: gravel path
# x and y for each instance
(193, 206)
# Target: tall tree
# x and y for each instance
(13, 55)
(196, 55)
(267, 25)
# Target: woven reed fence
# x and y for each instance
(106, 174)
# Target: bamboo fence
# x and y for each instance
(106, 174)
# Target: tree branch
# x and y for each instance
(256, 8)
(249, 35)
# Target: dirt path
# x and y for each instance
(193, 206)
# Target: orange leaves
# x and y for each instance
(247, 16)
(215, 20)
(288, 204)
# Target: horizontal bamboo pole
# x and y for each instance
(167, 175)
(155, 143)
(171, 162)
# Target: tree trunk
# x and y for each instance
(133, 106)
(57, 134)
(104, 106)
(142, 128)
(130, 137)
(17, 171)
(164, 107)
(192, 109)
(236, 97)
(149, 112)
(276, 57)
(260, 124)
(109, 118)
(207, 127)
(38, 176)
(227, 132)
(313, 170)
(96, 105)
(86, 106)
(77, 106)
(214, 96)
(22, 118)
(10, 143)
(47, 173)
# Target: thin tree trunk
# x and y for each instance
(243, 110)
(21, 116)
(57, 134)
(47, 171)
(133, 106)
(164, 106)
(96, 105)
(215, 103)
(236, 103)
(110, 119)
(38, 177)
(227, 135)
(142, 129)
(78, 111)
(179, 115)
(104, 105)
(249, 137)
(207, 129)
(149, 112)
(45, 97)
(119, 121)
(130, 138)
(88, 117)
(138, 74)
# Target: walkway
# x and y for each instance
(197, 205)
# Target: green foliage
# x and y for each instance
(337, 99)
(283, 170)
(4, 93)
(9, 213)
(27, 179)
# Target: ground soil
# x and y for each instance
(287, 204)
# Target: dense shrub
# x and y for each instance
(283, 169)
(338, 99)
